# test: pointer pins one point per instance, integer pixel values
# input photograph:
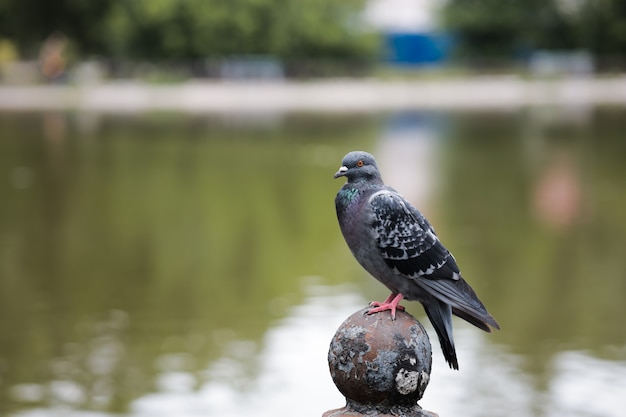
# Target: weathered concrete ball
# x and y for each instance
(376, 360)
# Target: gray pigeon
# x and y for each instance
(394, 242)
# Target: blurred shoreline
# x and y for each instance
(335, 95)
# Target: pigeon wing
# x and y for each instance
(406, 240)
(409, 245)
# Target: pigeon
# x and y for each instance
(395, 243)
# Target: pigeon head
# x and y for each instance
(359, 166)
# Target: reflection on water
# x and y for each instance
(292, 374)
(191, 265)
(292, 369)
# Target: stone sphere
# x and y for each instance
(377, 361)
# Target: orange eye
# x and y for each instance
(359, 164)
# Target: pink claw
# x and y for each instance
(391, 303)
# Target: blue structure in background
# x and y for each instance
(417, 49)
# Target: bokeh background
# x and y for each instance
(168, 240)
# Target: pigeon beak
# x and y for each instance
(342, 172)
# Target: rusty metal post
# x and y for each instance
(382, 366)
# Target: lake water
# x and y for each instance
(166, 264)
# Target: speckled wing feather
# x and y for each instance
(407, 241)
(410, 246)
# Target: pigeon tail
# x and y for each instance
(482, 322)
(463, 300)
(440, 315)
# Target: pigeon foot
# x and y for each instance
(391, 303)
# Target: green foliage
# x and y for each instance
(486, 27)
(29, 22)
(603, 26)
(191, 29)
(498, 28)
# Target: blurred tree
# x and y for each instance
(602, 26)
(495, 28)
(29, 22)
(190, 29)
(484, 27)
(200, 28)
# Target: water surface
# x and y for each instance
(191, 265)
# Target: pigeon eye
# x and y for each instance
(359, 164)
